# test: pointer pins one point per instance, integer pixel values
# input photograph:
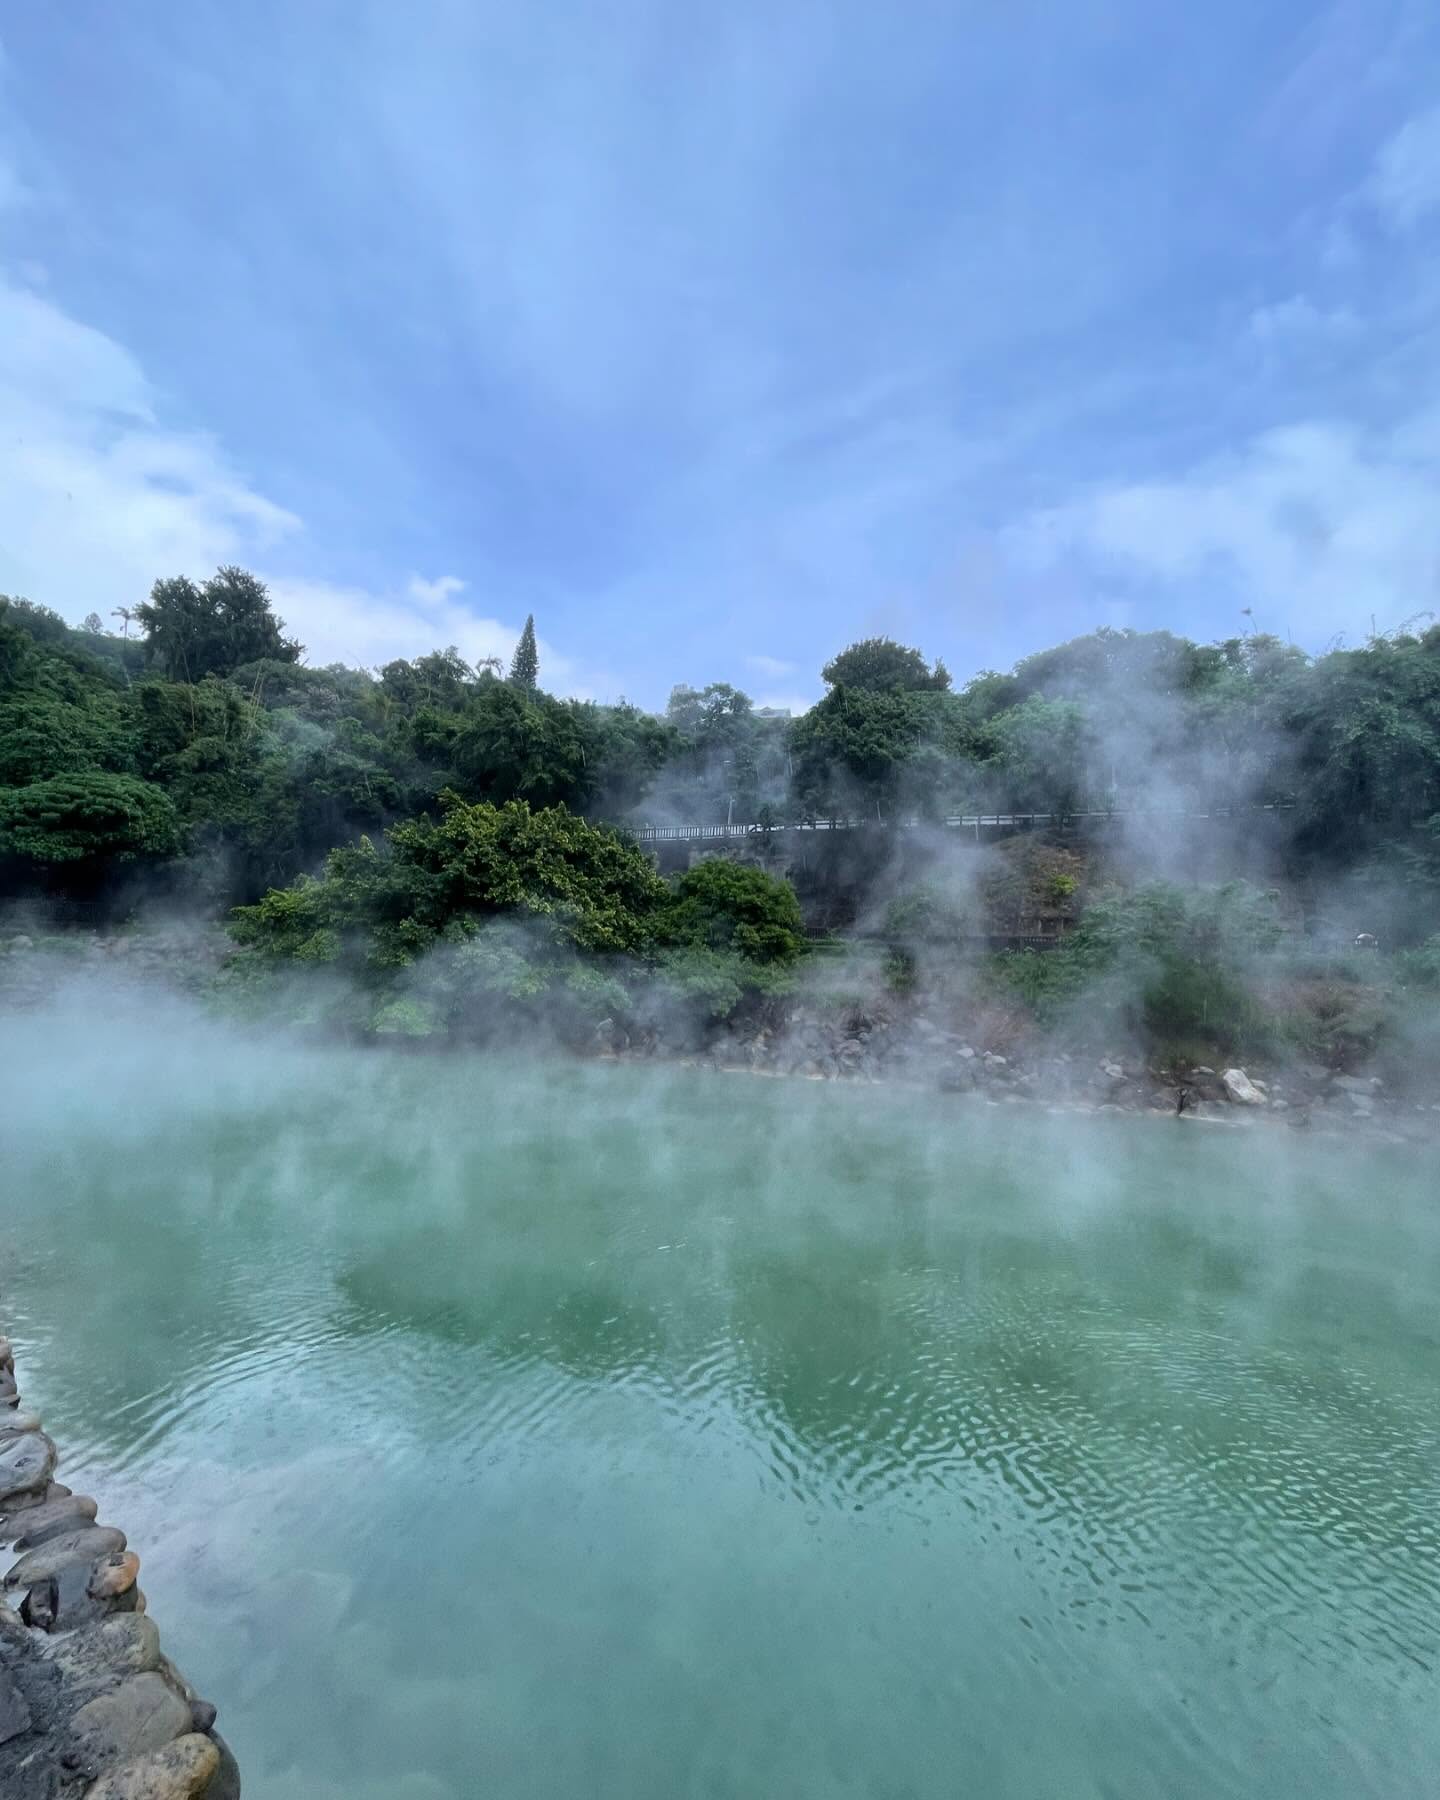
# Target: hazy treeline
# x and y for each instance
(455, 817)
(200, 735)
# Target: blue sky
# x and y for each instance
(718, 337)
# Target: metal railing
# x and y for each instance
(669, 834)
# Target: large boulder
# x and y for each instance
(74, 1512)
(27, 1461)
(140, 1715)
(128, 1644)
(86, 1545)
(1241, 1089)
(179, 1771)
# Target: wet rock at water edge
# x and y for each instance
(64, 1602)
(1357, 1084)
(63, 1552)
(179, 1771)
(48, 1520)
(127, 1644)
(113, 1576)
(24, 1506)
(142, 1714)
(226, 1784)
(27, 1461)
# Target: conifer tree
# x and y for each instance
(525, 665)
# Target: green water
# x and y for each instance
(507, 1430)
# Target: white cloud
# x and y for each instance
(434, 593)
(771, 666)
(354, 625)
(1299, 318)
(1405, 185)
(1320, 526)
(98, 497)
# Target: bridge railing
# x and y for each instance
(669, 834)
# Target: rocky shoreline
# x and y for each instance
(920, 1051)
(914, 1042)
(90, 1708)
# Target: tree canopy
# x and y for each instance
(212, 629)
(881, 666)
(265, 764)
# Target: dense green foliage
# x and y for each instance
(487, 903)
(212, 629)
(881, 666)
(1159, 960)
(86, 821)
(455, 811)
(525, 664)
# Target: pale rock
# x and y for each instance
(127, 1644)
(140, 1715)
(113, 1576)
(1241, 1089)
(179, 1771)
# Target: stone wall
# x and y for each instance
(90, 1709)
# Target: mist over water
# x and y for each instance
(540, 1428)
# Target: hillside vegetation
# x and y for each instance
(433, 846)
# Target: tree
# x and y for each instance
(441, 679)
(42, 735)
(212, 630)
(1039, 753)
(441, 877)
(93, 624)
(856, 748)
(525, 665)
(86, 820)
(716, 713)
(624, 749)
(515, 743)
(881, 666)
(727, 906)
